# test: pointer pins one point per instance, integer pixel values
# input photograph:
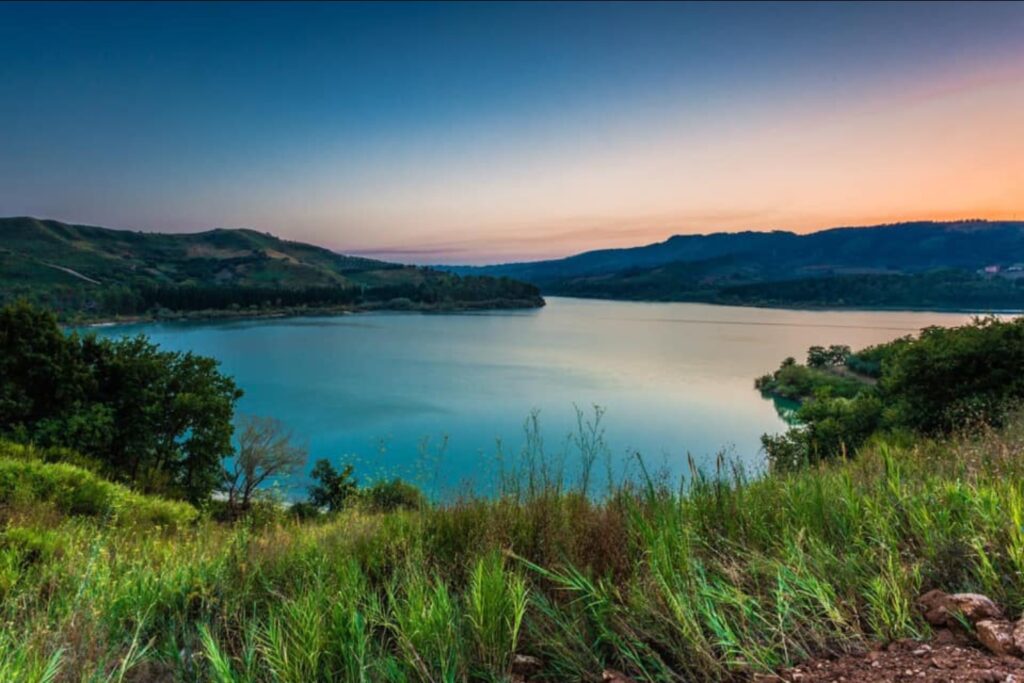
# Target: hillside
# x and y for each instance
(910, 265)
(94, 270)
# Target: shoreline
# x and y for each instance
(796, 307)
(297, 312)
(507, 305)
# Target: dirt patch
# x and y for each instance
(210, 251)
(281, 256)
(947, 659)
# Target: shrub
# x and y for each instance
(18, 451)
(72, 490)
(950, 377)
(304, 510)
(394, 494)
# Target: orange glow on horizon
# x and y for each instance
(946, 150)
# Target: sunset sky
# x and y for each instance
(458, 133)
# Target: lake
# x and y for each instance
(429, 396)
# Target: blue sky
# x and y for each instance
(486, 132)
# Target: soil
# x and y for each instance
(947, 659)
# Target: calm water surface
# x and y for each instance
(383, 389)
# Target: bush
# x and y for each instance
(950, 378)
(395, 494)
(72, 490)
(304, 510)
(798, 382)
(54, 454)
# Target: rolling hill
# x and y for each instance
(906, 265)
(99, 271)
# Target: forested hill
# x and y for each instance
(87, 270)
(922, 264)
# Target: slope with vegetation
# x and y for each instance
(907, 265)
(91, 271)
(719, 578)
(729, 578)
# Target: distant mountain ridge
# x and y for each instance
(900, 246)
(711, 267)
(100, 270)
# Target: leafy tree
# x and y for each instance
(788, 451)
(42, 377)
(265, 450)
(332, 489)
(160, 420)
(952, 377)
(821, 357)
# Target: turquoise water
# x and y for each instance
(428, 396)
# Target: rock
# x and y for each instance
(942, 609)
(933, 605)
(973, 607)
(525, 665)
(613, 676)
(1018, 635)
(997, 636)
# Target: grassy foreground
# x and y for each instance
(725, 578)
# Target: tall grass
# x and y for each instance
(723, 577)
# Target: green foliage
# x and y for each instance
(304, 510)
(54, 454)
(799, 382)
(834, 356)
(788, 451)
(73, 491)
(331, 490)
(949, 378)
(870, 361)
(496, 602)
(21, 664)
(423, 616)
(392, 494)
(838, 425)
(160, 420)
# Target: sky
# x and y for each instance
(482, 133)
